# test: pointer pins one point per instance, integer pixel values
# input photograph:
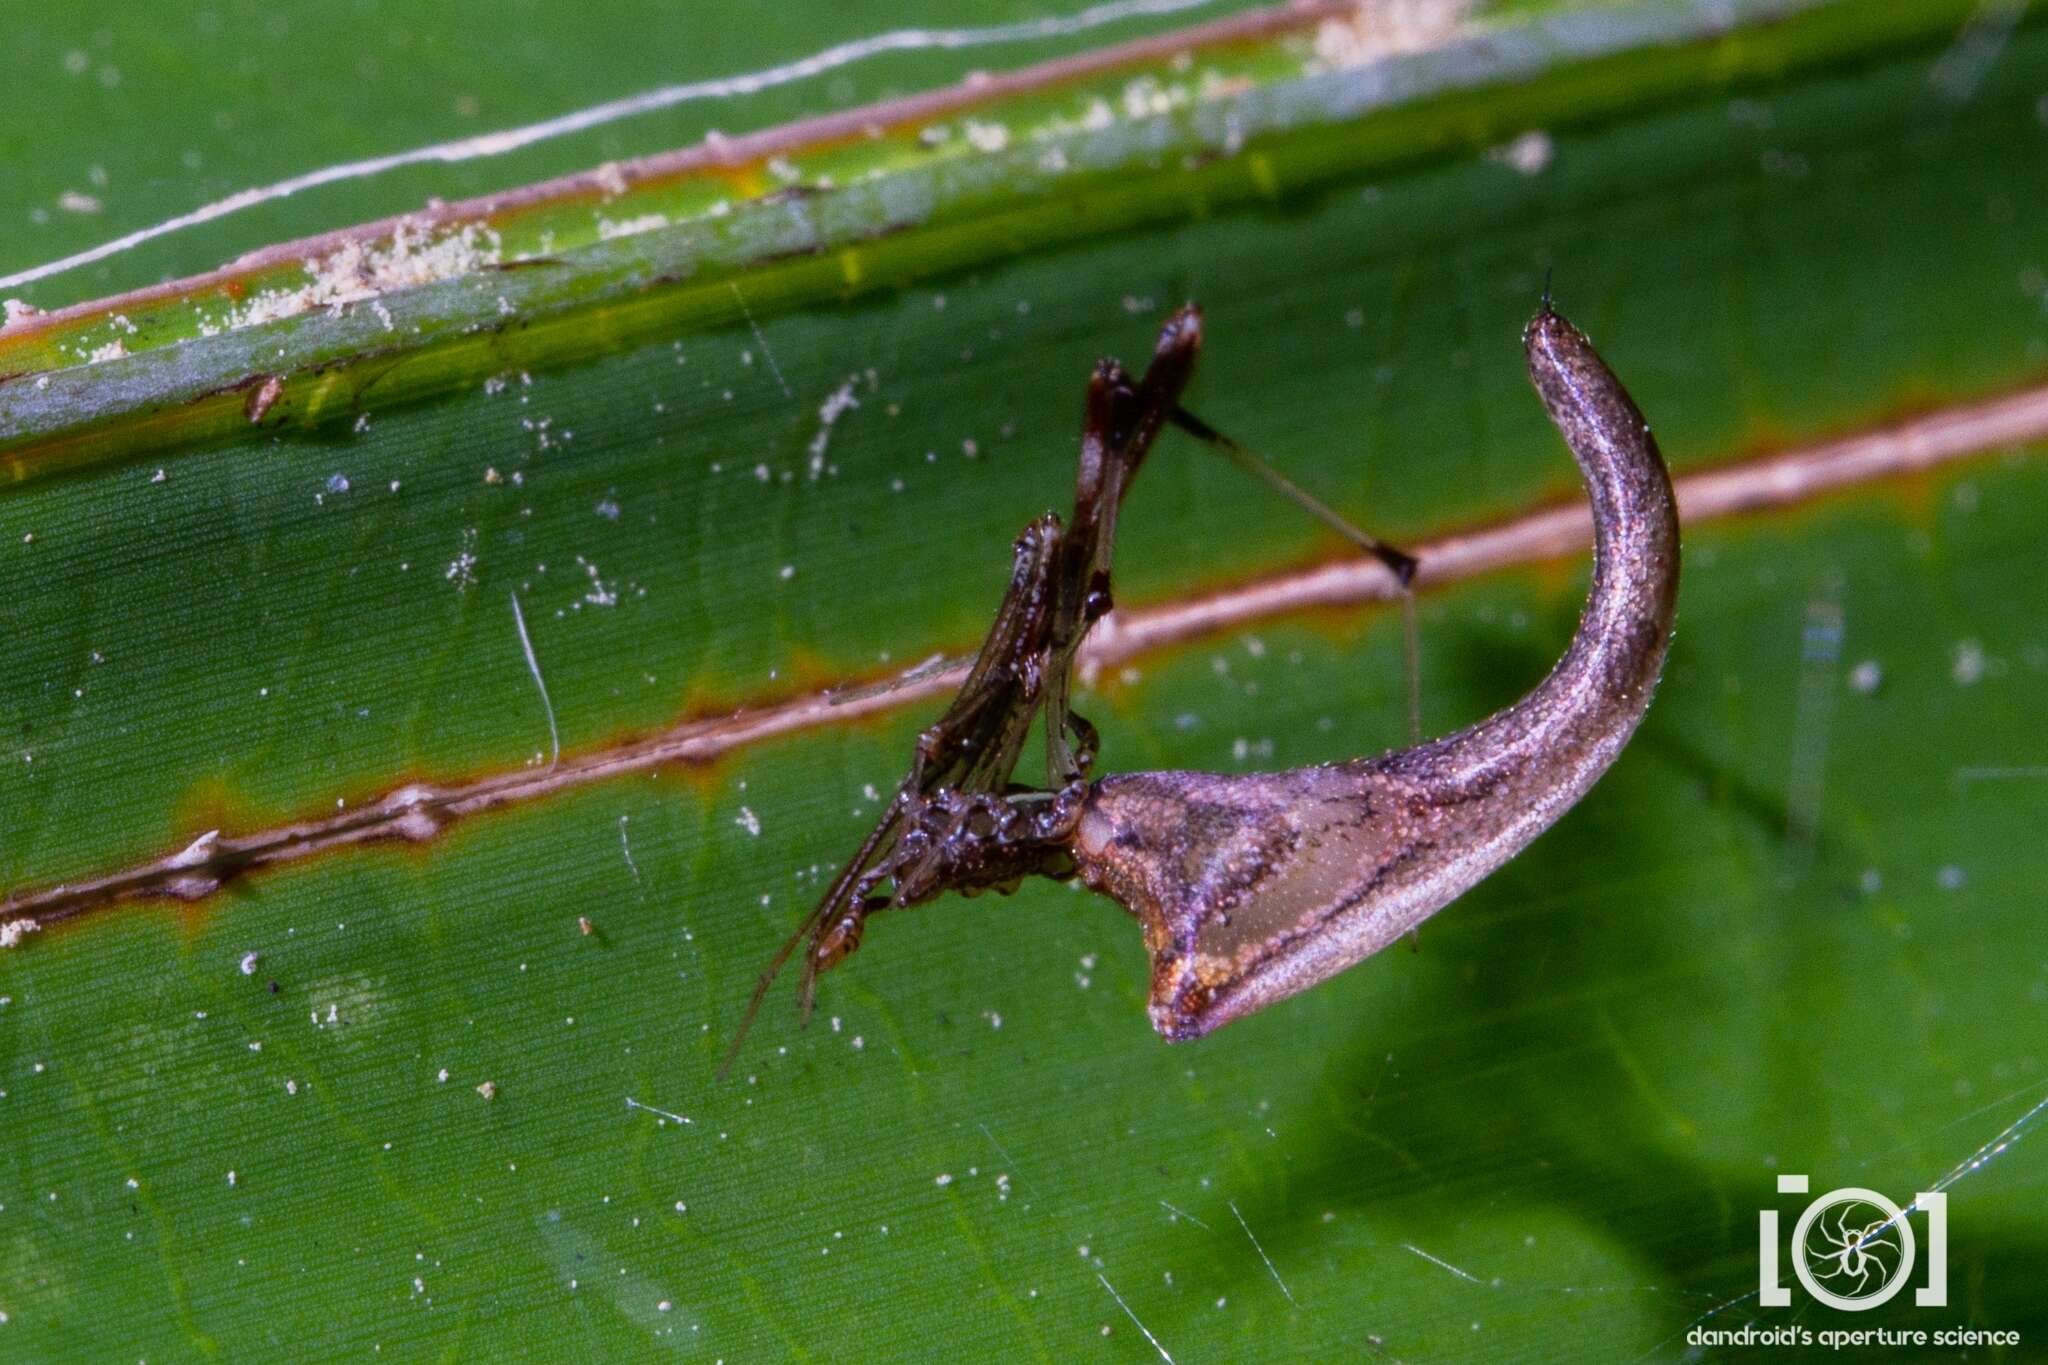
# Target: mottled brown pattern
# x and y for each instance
(1253, 887)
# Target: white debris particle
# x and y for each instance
(1370, 32)
(231, 1179)
(76, 201)
(442, 1074)
(291, 1087)
(13, 311)
(995, 1020)
(748, 821)
(1530, 154)
(942, 1179)
(196, 852)
(489, 1090)
(663, 1307)
(859, 1043)
(1867, 676)
(786, 572)
(985, 137)
(1969, 663)
(14, 930)
(337, 483)
(608, 509)
(646, 222)
(1147, 96)
(113, 350)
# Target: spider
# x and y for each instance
(1252, 887)
(1857, 1252)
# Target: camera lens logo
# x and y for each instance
(1854, 1249)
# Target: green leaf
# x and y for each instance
(305, 847)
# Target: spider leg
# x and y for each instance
(1399, 563)
(883, 832)
(1120, 421)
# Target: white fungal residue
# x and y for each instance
(563, 125)
(1530, 154)
(1387, 27)
(417, 253)
(836, 405)
(462, 569)
(626, 847)
(630, 227)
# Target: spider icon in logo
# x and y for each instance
(1852, 1248)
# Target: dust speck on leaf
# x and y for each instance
(1970, 663)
